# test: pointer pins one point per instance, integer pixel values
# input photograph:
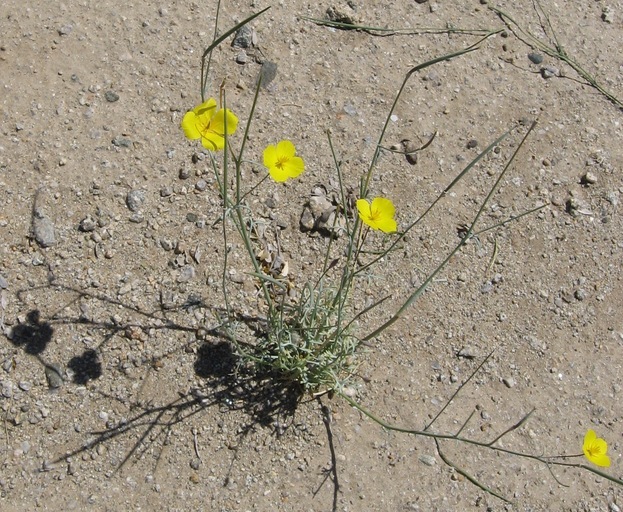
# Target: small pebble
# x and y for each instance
(509, 382)
(87, 224)
(187, 273)
(467, 352)
(242, 57)
(429, 460)
(24, 385)
(54, 375)
(243, 37)
(184, 174)
(121, 142)
(607, 14)
(535, 58)
(135, 199)
(111, 96)
(549, 72)
(43, 231)
(589, 179)
(580, 294)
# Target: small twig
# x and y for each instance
(512, 427)
(196, 444)
(468, 476)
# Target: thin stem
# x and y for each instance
(458, 247)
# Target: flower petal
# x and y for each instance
(208, 108)
(294, 166)
(363, 207)
(384, 206)
(217, 123)
(278, 174)
(286, 149)
(212, 141)
(386, 225)
(601, 460)
(189, 125)
(270, 157)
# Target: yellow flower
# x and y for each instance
(282, 162)
(208, 124)
(378, 215)
(595, 449)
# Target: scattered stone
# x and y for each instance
(235, 277)
(184, 174)
(87, 224)
(166, 244)
(607, 14)
(245, 37)
(576, 207)
(54, 375)
(3, 283)
(549, 72)
(111, 96)
(24, 385)
(43, 230)
(7, 389)
(580, 294)
(429, 460)
(65, 30)
(121, 142)
(187, 273)
(350, 109)
(535, 58)
(319, 214)
(338, 16)
(509, 382)
(166, 191)
(201, 185)
(242, 57)
(472, 144)
(8, 364)
(135, 199)
(467, 352)
(486, 287)
(589, 179)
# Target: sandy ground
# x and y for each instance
(115, 392)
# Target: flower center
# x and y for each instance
(281, 161)
(594, 450)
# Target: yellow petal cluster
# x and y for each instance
(378, 215)
(595, 449)
(282, 162)
(207, 123)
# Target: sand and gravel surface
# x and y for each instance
(116, 391)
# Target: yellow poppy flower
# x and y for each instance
(595, 449)
(282, 162)
(379, 215)
(208, 124)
